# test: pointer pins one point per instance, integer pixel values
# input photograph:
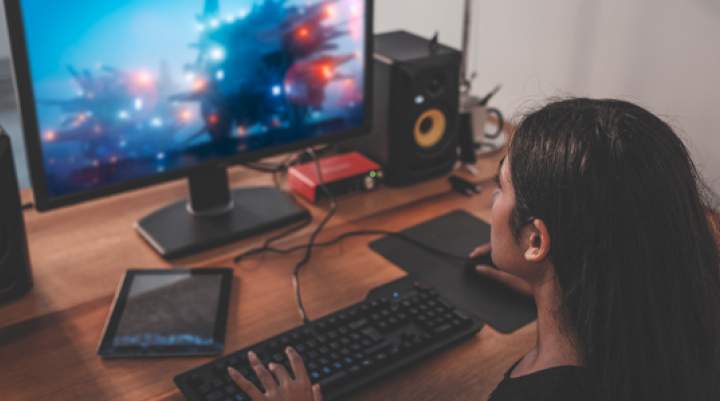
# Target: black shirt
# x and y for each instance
(555, 384)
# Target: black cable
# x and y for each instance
(283, 167)
(274, 170)
(308, 249)
(313, 237)
(287, 163)
(262, 167)
(359, 233)
(265, 247)
(293, 159)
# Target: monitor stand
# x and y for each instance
(215, 215)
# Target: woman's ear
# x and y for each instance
(538, 247)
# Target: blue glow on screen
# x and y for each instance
(131, 88)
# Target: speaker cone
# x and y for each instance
(436, 84)
(430, 128)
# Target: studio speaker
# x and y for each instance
(15, 276)
(415, 108)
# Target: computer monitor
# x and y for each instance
(120, 94)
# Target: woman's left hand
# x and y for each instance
(278, 384)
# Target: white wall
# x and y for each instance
(663, 54)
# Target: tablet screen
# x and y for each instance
(173, 312)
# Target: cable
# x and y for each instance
(308, 249)
(265, 247)
(313, 237)
(274, 170)
(359, 233)
(262, 167)
(293, 159)
(289, 161)
(283, 167)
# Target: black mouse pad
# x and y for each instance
(457, 232)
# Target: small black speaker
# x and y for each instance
(415, 108)
(15, 276)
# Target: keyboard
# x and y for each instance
(395, 326)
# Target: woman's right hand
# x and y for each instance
(514, 282)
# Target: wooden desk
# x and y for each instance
(48, 338)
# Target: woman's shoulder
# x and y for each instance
(554, 384)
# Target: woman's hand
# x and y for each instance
(279, 385)
(514, 282)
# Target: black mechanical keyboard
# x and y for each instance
(396, 325)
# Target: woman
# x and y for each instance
(600, 216)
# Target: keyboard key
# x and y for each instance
(372, 334)
(358, 324)
(378, 347)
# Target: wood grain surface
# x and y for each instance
(79, 254)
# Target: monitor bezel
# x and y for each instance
(26, 103)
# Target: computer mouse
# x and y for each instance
(483, 259)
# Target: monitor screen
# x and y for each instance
(129, 89)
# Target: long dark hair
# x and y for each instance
(632, 245)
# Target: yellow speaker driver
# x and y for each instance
(430, 128)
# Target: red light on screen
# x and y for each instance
(303, 33)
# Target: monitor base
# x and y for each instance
(175, 231)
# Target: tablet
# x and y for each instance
(178, 312)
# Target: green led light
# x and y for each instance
(373, 174)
